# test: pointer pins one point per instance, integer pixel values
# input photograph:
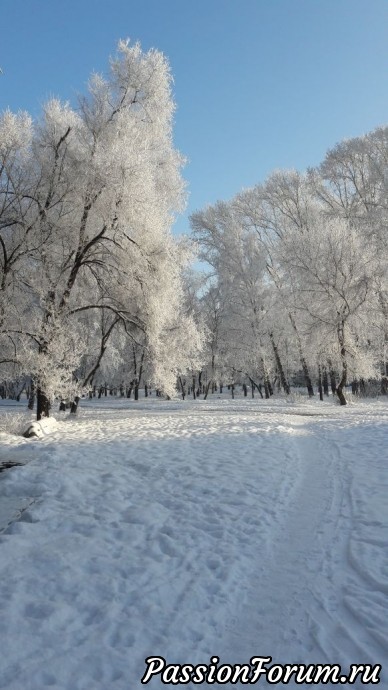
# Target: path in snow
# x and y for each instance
(189, 530)
(323, 590)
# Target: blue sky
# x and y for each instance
(259, 84)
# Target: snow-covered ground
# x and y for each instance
(192, 529)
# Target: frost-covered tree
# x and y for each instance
(248, 331)
(332, 275)
(87, 201)
(352, 183)
(282, 203)
(301, 281)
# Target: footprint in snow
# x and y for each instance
(167, 546)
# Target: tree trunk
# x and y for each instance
(344, 374)
(42, 404)
(31, 397)
(325, 380)
(207, 390)
(320, 389)
(384, 378)
(279, 365)
(257, 385)
(307, 377)
(182, 387)
(103, 345)
(355, 387)
(74, 405)
(140, 373)
(340, 393)
(303, 362)
(267, 384)
(333, 383)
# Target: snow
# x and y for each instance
(42, 428)
(192, 529)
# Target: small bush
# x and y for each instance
(14, 422)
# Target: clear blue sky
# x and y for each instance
(259, 84)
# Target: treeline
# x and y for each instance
(96, 293)
(298, 290)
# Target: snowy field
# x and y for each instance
(192, 529)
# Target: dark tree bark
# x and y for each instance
(207, 389)
(140, 375)
(182, 385)
(74, 405)
(199, 389)
(355, 387)
(384, 378)
(42, 404)
(279, 365)
(103, 345)
(344, 373)
(31, 397)
(307, 377)
(325, 380)
(320, 389)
